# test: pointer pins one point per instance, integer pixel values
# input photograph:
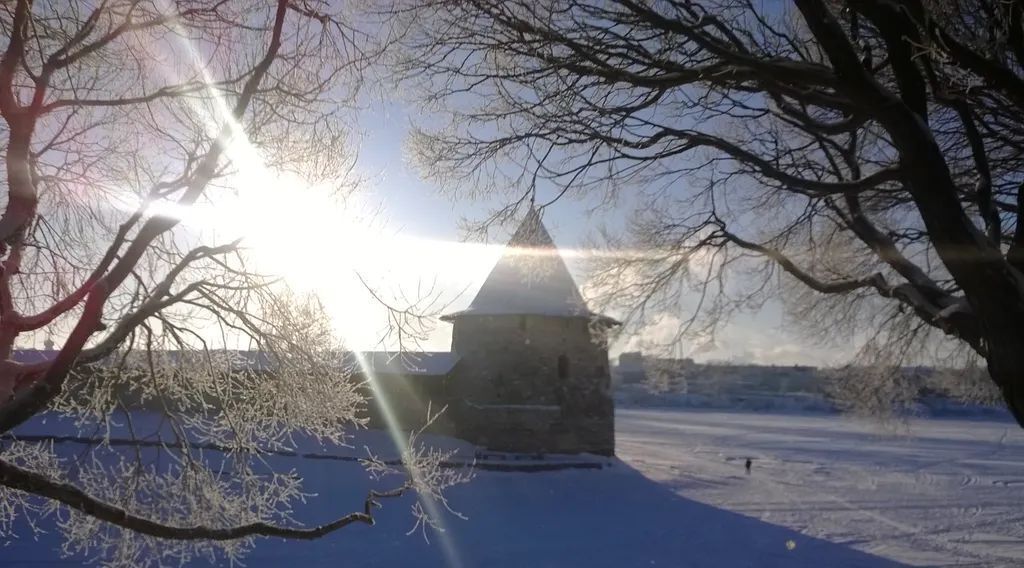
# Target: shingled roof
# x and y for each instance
(530, 278)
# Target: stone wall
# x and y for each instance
(402, 401)
(531, 384)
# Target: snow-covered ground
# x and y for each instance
(824, 491)
(939, 493)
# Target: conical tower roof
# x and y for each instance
(530, 278)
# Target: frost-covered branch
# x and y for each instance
(123, 119)
(868, 149)
(19, 479)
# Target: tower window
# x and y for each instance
(563, 367)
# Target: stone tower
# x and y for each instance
(533, 359)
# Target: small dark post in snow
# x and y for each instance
(748, 464)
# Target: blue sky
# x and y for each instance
(402, 235)
(417, 209)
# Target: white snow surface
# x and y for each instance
(824, 491)
(936, 492)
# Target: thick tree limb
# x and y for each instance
(793, 113)
(1015, 254)
(971, 259)
(825, 287)
(20, 479)
(951, 317)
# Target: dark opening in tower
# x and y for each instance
(563, 367)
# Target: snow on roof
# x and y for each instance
(530, 278)
(430, 363)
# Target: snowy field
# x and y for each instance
(824, 492)
(941, 493)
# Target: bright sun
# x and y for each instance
(317, 242)
(332, 246)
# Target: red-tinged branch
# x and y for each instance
(22, 198)
(14, 477)
(31, 400)
(21, 193)
(13, 56)
(8, 313)
(62, 306)
(157, 301)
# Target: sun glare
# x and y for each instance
(332, 246)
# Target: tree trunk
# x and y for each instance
(1006, 367)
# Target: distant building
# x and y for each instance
(630, 369)
(634, 367)
(711, 379)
